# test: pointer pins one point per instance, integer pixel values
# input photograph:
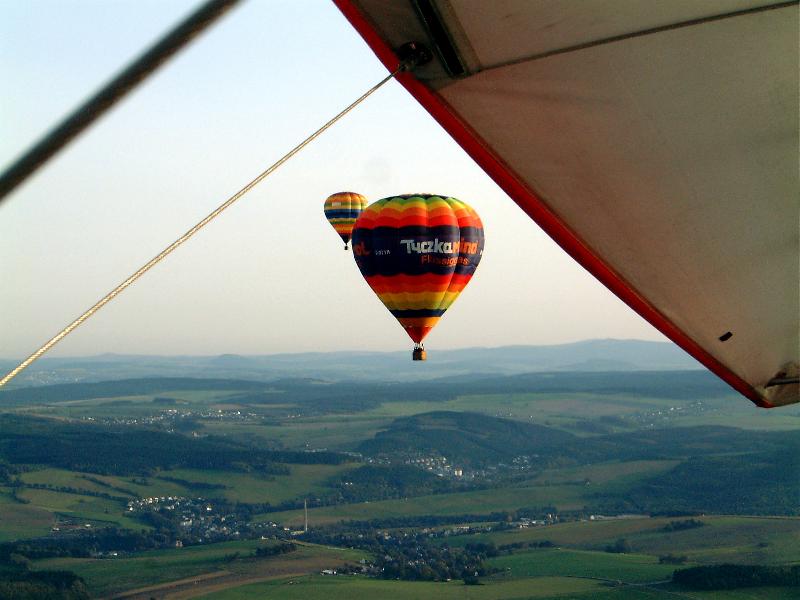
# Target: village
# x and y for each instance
(198, 520)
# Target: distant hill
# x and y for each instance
(125, 450)
(65, 392)
(466, 438)
(475, 439)
(315, 396)
(755, 483)
(587, 356)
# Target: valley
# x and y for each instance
(478, 488)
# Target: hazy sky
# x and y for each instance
(269, 275)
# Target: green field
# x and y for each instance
(355, 587)
(563, 410)
(240, 487)
(620, 473)
(565, 488)
(763, 593)
(248, 487)
(576, 534)
(568, 497)
(743, 540)
(537, 405)
(106, 576)
(118, 486)
(132, 406)
(558, 562)
(45, 507)
(94, 511)
(19, 520)
(335, 432)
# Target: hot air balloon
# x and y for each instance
(417, 252)
(342, 210)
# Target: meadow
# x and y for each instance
(87, 511)
(19, 520)
(110, 575)
(303, 480)
(741, 540)
(238, 487)
(567, 489)
(478, 502)
(315, 587)
(559, 562)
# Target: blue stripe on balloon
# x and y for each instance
(411, 313)
(342, 214)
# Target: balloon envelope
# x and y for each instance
(342, 210)
(417, 252)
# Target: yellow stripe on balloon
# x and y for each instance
(411, 300)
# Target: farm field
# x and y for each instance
(132, 406)
(742, 540)
(315, 587)
(564, 488)
(355, 588)
(566, 409)
(22, 520)
(239, 487)
(115, 485)
(553, 409)
(758, 593)
(620, 473)
(577, 534)
(111, 575)
(567, 497)
(333, 432)
(93, 510)
(249, 487)
(558, 562)
(522, 406)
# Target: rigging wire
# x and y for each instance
(111, 93)
(406, 64)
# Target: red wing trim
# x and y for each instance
(536, 209)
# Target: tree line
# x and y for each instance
(728, 577)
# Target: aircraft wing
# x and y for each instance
(656, 142)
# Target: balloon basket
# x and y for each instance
(419, 353)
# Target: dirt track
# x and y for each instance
(196, 586)
(191, 587)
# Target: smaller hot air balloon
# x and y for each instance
(342, 210)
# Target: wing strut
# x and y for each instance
(111, 93)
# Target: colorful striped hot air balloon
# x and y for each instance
(417, 252)
(342, 210)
